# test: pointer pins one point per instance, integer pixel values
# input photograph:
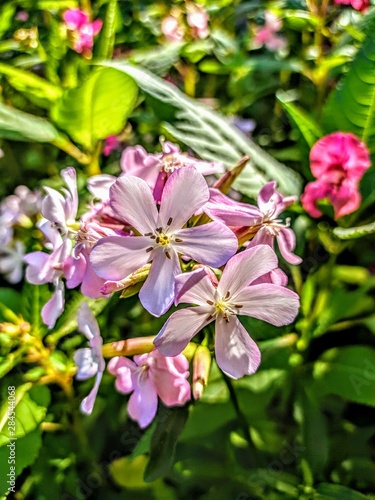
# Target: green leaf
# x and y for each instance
(160, 59)
(97, 109)
(313, 424)
(6, 17)
(19, 126)
(305, 124)
(211, 136)
(327, 491)
(26, 452)
(30, 409)
(351, 106)
(348, 372)
(36, 88)
(163, 442)
(351, 233)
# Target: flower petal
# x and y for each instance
(143, 403)
(88, 403)
(116, 257)
(132, 200)
(87, 323)
(184, 193)
(194, 288)
(211, 244)
(180, 329)
(272, 303)
(224, 209)
(286, 240)
(157, 293)
(236, 352)
(123, 369)
(87, 366)
(245, 267)
(54, 307)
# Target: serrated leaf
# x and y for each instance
(351, 233)
(351, 106)
(97, 109)
(212, 137)
(348, 372)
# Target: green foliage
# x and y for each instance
(97, 109)
(351, 233)
(351, 107)
(212, 137)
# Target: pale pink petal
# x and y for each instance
(87, 404)
(286, 240)
(37, 263)
(246, 267)
(54, 307)
(99, 185)
(143, 403)
(277, 277)
(157, 293)
(132, 200)
(74, 270)
(70, 177)
(211, 244)
(172, 390)
(53, 207)
(116, 257)
(236, 352)
(180, 328)
(91, 283)
(224, 209)
(272, 303)
(87, 366)
(136, 161)
(184, 193)
(87, 323)
(194, 288)
(123, 369)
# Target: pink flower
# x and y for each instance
(162, 235)
(148, 377)
(172, 29)
(22, 16)
(267, 34)
(236, 353)
(265, 219)
(361, 5)
(197, 19)
(89, 360)
(111, 143)
(11, 261)
(156, 168)
(338, 161)
(83, 30)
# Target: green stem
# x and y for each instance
(107, 38)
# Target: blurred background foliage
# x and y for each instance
(303, 425)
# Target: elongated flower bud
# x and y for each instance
(129, 347)
(201, 370)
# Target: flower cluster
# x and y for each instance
(360, 5)
(159, 224)
(267, 34)
(82, 30)
(175, 29)
(338, 161)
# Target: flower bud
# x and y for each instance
(129, 347)
(201, 370)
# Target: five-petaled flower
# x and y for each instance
(163, 236)
(149, 376)
(236, 353)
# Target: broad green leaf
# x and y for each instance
(351, 233)
(30, 409)
(327, 491)
(212, 137)
(27, 449)
(207, 418)
(128, 472)
(170, 422)
(19, 126)
(348, 372)
(97, 109)
(351, 106)
(33, 86)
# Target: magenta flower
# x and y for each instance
(236, 353)
(265, 219)
(360, 5)
(111, 143)
(156, 168)
(163, 237)
(83, 30)
(147, 377)
(89, 360)
(338, 161)
(267, 34)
